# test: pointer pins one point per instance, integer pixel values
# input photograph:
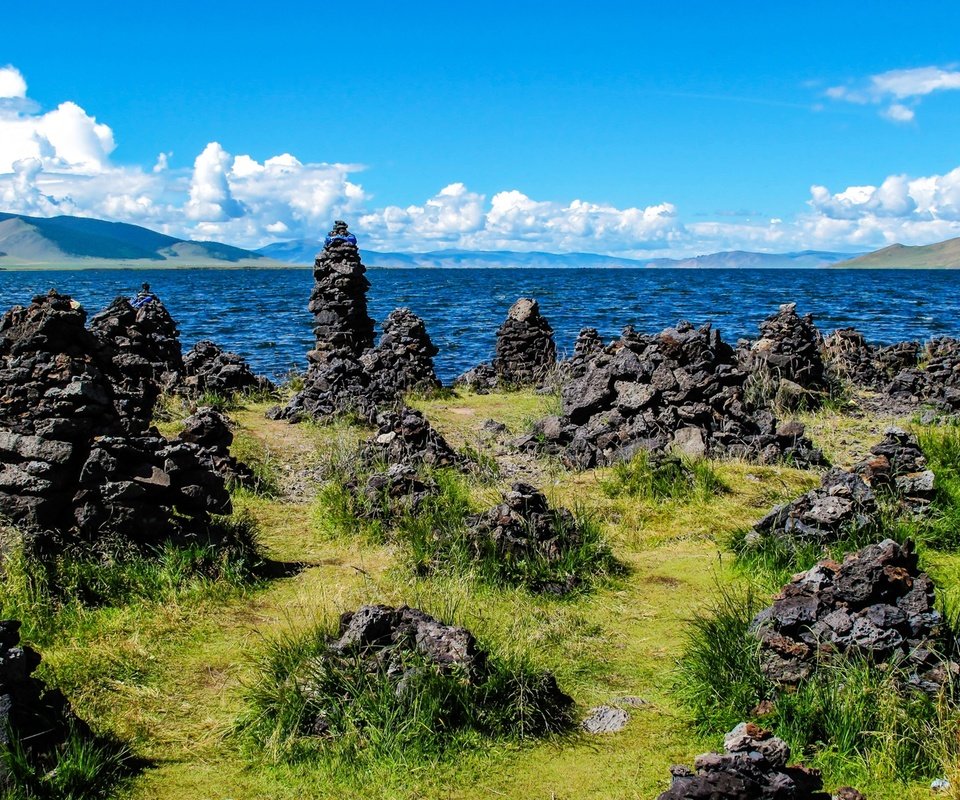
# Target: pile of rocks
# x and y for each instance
(210, 432)
(851, 358)
(402, 361)
(681, 388)
(523, 528)
(938, 382)
(786, 363)
(143, 343)
(208, 368)
(35, 717)
(72, 465)
(876, 604)
(525, 349)
(846, 500)
(753, 766)
(396, 642)
(398, 490)
(587, 346)
(525, 352)
(346, 373)
(407, 437)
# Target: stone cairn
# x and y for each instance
(389, 641)
(679, 389)
(525, 352)
(210, 432)
(407, 437)
(851, 358)
(73, 467)
(143, 343)
(938, 383)
(346, 373)
(786, 363)
(207, 368)
(524, 527)
(38, 718)
(587, 347)
(846, 500)
(753, 766)
(876, 604)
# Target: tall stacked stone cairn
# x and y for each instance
(524, 527)
(753, 766)
(851, 358)
(74, 466)
(680, 389)
(208, 368)
(786, 362)
(876, 604)
(143, 343)
(37, 718)
(525, 351)
(587, 346)
(394, 643)
(346, 373)
(846, 500)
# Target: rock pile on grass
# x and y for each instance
(209, 369)
(587, 346)
(525, 351)
(74, 467)
(681, 388)
(876, 604)
(938, 382)
(37, 718)
(392, 493)
(853, 359)
(210, 431)
(143, 344)
(753, 766)
(346, 373)
(846, 500)
(786, 363)
(407, 437)
(412, 651)
(523, 528)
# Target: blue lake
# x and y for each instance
(263, 313)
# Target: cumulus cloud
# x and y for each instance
(898, 91)
(12, 84)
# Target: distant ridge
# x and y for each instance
(303, 251)
(80, 241)
(942, 255)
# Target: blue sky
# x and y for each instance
(624, 127)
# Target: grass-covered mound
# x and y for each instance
(391, 682)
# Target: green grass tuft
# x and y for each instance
(656, 479)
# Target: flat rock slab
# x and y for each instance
(605, 719)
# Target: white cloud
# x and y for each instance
(12, 84)
(899, 90)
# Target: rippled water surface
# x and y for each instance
(262, 313)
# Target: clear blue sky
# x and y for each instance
(712, 107)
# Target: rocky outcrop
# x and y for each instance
(938, 383)
(37, 718)
(143, 345)
(786, 362)
(407, 437)
(876, 605)
(681, 388)
(846, 501)
(524, 528)
(525, 352)
(74, 467)
(753, 766)
(396, 644)
(209, 369)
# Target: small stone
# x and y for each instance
(605, 719)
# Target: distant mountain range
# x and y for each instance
(79, 241)
(303, 251)
(942, 255)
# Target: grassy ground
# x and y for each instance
(168, 676)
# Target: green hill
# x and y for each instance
(942, 255)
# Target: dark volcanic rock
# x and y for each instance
(406, 437)
(210, 369)
(525, 349)
(481, 379)
(788, 350)
(753, 766)
(396, 491)
(38, 718)
(144, 347)
(402, 361)
(851, 358)
(898, 467)
(588, 345)
(938, 382)
(681, 388)
(210, 432)
(876, 604)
